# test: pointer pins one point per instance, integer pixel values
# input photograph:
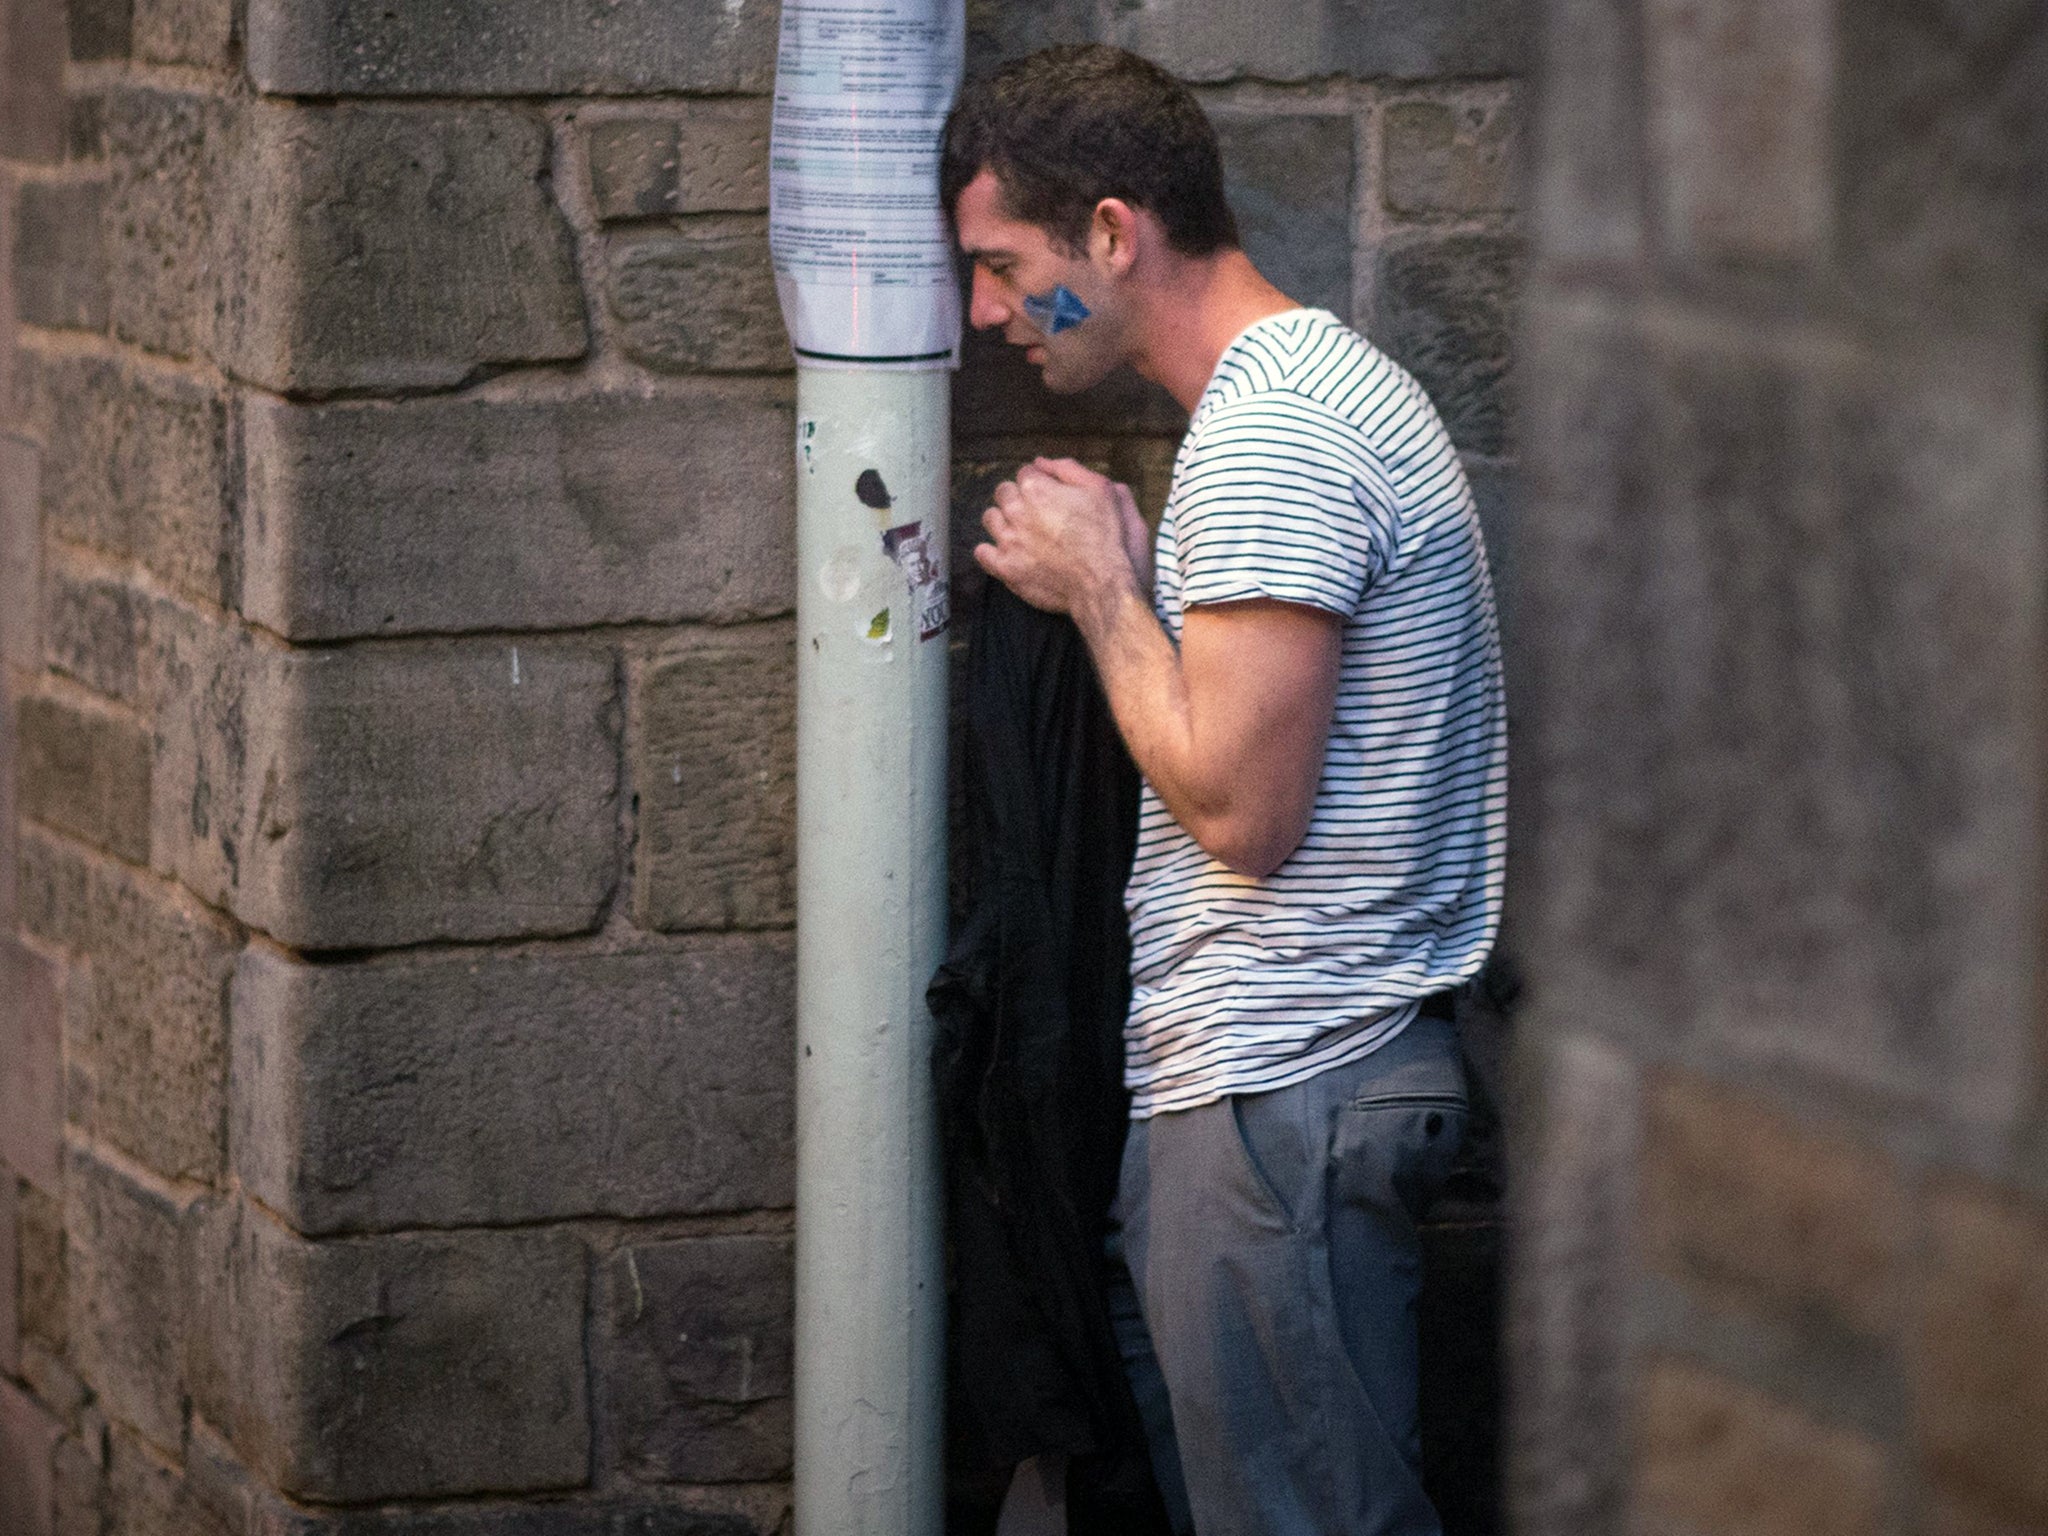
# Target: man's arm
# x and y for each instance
(1229, 729)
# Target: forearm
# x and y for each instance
(1185, 758)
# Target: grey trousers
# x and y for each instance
(1268, 1320)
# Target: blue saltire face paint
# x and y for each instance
(1060, 310)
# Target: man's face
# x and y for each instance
(1013, 261)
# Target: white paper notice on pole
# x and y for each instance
(863, 259)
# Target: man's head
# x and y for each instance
(1056, 170)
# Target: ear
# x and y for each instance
(1113, 235)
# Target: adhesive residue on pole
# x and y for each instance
(863, 264)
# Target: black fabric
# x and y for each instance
(1030, 1006)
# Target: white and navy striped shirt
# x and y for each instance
(1315, 471)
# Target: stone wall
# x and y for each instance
(1785, 1244)
(395, 784)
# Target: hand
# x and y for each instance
(1063, 537)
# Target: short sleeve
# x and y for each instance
(1277, 499)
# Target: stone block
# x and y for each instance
(99, 29)
(81, 1485)
(145, 1033)
(60, 266)
(714, 771)
(31, 1065)
(698, 297)
(138, 462)
(94, 627)
(1289, 180)
(163, 216)
(1454, 155)
(1717, 1456)
(1981, 1352)
(1445, 308)
(711, 159)
(693, 1349)
(494, 1089)
(520, 48)
(1571, 1288)
(387, 793)
(84, 770)
(150, 1495)
(1212, 40)
(28, 1449)
(32, 50)
(21, 557)
(498, 514)
(198, 32)
(1587, 176)
(416, 1366)
(380, 248)
(41, 1300)
(1942, 147)
(1740, 1198)
(123, 1267)
(1740, 113)
(1755, 691)
(998, 30)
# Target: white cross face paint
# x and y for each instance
(1059, 310)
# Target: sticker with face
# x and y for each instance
(1060, 310)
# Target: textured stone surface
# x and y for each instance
(1982, 1352)
(1588, 176)
(1717, 1456)
(659, 1515)
(471, 514)
(99, 29)
(391, 793)
(1289, 180)
(698, 297)
(31, 1066)
(138, 462)
(60, 267)
(714, 765)
(1760, 691)
(150, 1495)
(1451, 155)
(520, 48)
(396, 249)
(1569, 1347)
(413, 1366)
(711, 159)
(515, 1088)
(10, 1274)
(40, 1301)
(145, 1034)
(32, 49)
(1943, 148)
(184, 31)
(21, 561)
(163, 149)
(28, 1448)
(122, 1242)
(94, 627)
(1740, 114)
(1445, 309)
(84, 770)
(694, 1353)
(1740, 1198)
(1307, 39)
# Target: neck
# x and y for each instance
(1193, 310)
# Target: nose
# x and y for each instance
(985, 306)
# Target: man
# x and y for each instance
(1310, 685)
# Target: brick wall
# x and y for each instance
(1785, 1235)
(395, 779)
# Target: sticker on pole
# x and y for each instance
(863, 259)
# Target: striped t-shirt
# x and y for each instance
(1315, 471)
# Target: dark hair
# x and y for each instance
(1066, 127)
